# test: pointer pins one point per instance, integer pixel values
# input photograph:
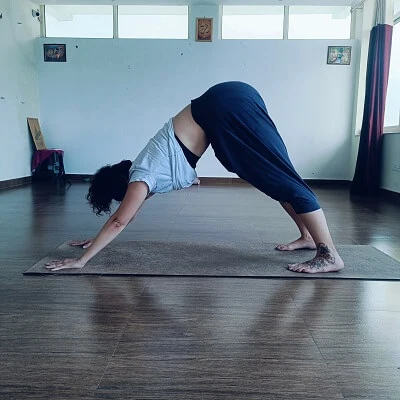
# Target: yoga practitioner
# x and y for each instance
(233, 118)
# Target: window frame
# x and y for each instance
(286, 25)
(117, 23)
(394, 128)
(44, 25)
(319, 7)
(115, 27)
(281, 6)
(115, 35)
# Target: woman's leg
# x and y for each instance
(247, 143)
(305, 241)
(327, 258)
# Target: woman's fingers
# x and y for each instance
(54, 263)
(84, 243)
(78, 242)
(54, 267)
(63, 264)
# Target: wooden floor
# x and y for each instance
(71, 337)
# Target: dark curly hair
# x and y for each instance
(109, 183)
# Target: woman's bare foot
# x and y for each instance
(325, 261)
(299, 244)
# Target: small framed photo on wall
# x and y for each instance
(339, 55)
(204, 29)
(55, 53)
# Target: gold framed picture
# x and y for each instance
(204, 29)
(36, 133)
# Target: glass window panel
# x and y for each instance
(324, 22)
(252, 22)
(79, 21)
(392, 112)
(153, 22)
(396, 6)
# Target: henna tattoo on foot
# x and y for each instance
(324, 261)
(324, 252)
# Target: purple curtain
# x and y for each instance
(366, 181)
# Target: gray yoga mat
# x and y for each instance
(218, 260)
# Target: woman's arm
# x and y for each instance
(130, 205)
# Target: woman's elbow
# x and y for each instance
(118, 223)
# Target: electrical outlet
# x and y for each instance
(396, 166)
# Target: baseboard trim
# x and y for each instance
(79, 177)
(11, 183)
(203, 180)
(389, 195)
(238, 181)
(331, 183)
(232, 181)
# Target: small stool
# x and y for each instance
(48, 165)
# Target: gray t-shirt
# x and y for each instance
(162, 164)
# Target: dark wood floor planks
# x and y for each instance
(193, 338)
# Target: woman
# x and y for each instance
(233, 118)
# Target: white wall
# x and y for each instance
(391, 152)
(113, 95)
(18, 86)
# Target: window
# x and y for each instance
(79, 21)
(392, 111)
(396, 7)
(252, 22)
(162, 22)
(324, 22)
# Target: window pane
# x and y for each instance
(152, 22)
(309, 22)
(392, 112)
(396, 6)
(252, 22)
(79, 21)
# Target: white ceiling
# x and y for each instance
(184, 2)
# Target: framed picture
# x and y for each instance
(339, 55)
(36, 133)
(54, 53)
(204, 29)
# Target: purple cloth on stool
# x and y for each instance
(40, 155)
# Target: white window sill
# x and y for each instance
(391, 129)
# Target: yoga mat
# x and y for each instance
(260, 260)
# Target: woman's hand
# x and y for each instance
(132, 201)
(85, 243)
(68, 263)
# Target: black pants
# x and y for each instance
(246, 142)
